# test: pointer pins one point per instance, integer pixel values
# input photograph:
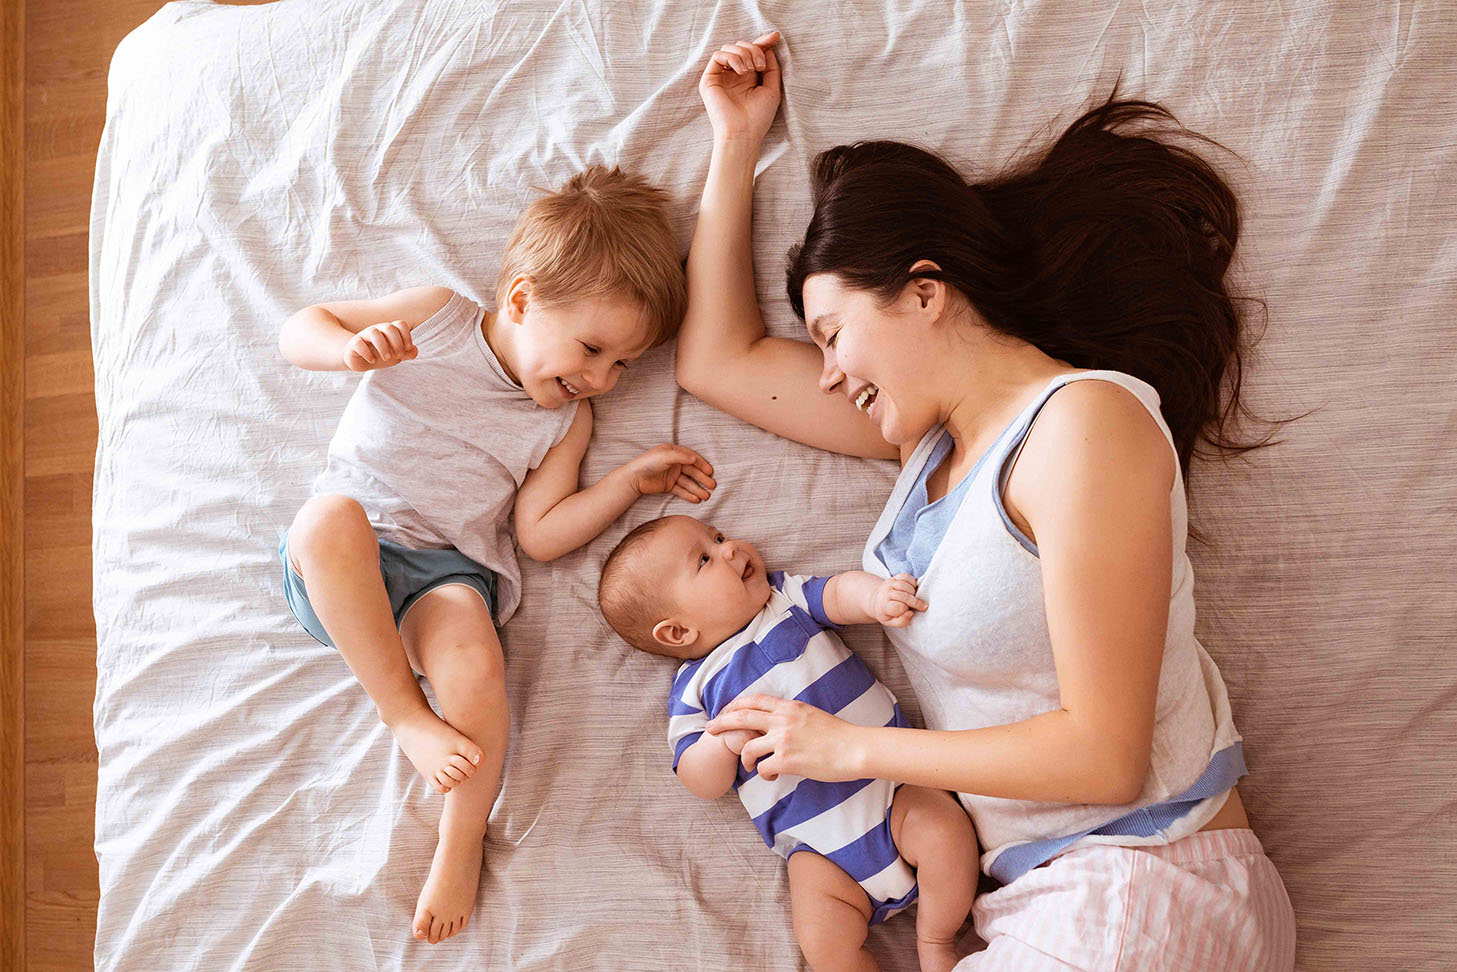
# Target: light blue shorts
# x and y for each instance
(408, 576)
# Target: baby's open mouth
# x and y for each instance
(748, 570)
(866, 398)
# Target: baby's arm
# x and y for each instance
(857, 597)
(359, 335)
(708, 767)
(554, 517)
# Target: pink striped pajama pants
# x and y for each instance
(1211, 901)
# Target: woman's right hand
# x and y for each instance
(741, 104)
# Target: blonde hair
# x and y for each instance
(604, 233)
(627, 595)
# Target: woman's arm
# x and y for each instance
(1093, 483)
(724, 354)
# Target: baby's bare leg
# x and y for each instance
(935, 836)
(335, 551)
(454, 639)
(831, 915)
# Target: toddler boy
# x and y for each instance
(404, 558)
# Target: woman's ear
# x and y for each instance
(928, 293)
(671, 634)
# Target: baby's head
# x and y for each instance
(590, 279)
(678, 587)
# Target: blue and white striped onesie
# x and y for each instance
(788, 651)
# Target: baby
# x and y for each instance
(857, 851)
(465, 422)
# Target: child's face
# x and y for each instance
(712, 586)
(562, 352)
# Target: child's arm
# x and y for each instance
(553, 517)
(708, 767)
(724, 354)
(857, 597)
(359, 335)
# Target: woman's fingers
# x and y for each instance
(735, 58)
(751, 54)
(754, 750)
(771, 70)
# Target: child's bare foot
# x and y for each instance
(449, 894)
(936, 956)
(443, 755)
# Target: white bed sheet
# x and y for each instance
(251, 811)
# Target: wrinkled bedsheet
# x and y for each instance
(252, 812)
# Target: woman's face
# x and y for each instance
(875, 355)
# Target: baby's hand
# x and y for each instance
(894, 602)
(675, 469)
(740, 104)
(379, 346)
(736, 739)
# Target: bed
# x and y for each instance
(253, 814)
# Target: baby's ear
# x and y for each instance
(671, 634)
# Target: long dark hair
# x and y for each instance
(1109, 250)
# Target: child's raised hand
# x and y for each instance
(741, 104)
(379, 346)
(675, 469)
(894, 602)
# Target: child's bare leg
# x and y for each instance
(454, 639)
(831, 915)
(935, 836)
(335, 551)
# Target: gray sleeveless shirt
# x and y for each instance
(980, 655)
(434, 449)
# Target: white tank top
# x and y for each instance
(980, 654)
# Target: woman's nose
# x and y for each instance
(830, 373)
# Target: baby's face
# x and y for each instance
(710, 583)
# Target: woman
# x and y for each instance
(1042, 352)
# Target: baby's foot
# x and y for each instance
(443, 756)
(936, 956)
(450, 891)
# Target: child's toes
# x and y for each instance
(420, 927)
(462, 766)
(473, 753)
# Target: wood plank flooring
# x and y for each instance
(67, 49)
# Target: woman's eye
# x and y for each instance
(830, 341)
(590, 349)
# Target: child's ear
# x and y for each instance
(518, 297)
(671, 634)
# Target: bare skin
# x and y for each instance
(451, 633)
(333, 547)
(832, 912)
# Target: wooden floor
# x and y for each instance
(67, 47)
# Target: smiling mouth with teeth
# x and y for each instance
(866, 398)
(570, 389)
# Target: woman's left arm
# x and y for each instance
(1092, 488)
